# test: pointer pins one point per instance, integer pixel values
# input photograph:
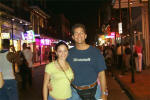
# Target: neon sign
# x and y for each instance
(45, 42)
(29, 36)
(5, 35)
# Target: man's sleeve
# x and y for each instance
(100, 62)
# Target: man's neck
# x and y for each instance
(82, 46)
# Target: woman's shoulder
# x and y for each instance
(50, 65)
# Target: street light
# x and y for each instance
(12, 34)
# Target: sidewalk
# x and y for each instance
(140, 90)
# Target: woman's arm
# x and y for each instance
(45, 86)
(1, 80)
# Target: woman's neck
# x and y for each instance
(62, 62)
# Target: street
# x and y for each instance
(35, 92)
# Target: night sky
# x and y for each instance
(81, 11)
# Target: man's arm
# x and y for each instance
(1, 80)
(102, 80)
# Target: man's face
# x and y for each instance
(79, 35)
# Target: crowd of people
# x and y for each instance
(121, 57)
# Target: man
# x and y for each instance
(9, 89)
(28, 57)
(26, 67)
(1, 79)
(88, 66)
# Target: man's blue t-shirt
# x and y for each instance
(86, 64)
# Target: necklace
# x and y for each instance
(63, 68)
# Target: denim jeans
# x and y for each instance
(75, 95)
(9, 90)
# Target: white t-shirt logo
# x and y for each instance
(81, 59)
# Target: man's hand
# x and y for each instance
(49, 87)
(104, 97)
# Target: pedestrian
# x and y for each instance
(88, 66)
(28, 57)
(138, 59)
(26, 66)
(59, 75)
(1, 79)
(127, 57)
(9, 90)
(109, 59)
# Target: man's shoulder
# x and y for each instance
(26, 51)
(94, 49)
(72, 49)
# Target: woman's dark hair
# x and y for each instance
(78, 26)
(59, 44)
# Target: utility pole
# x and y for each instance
(122, 69)
(13, 48)
(131, 43)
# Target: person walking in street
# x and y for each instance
(127, 57)
(9, 90)
(59, 75)
(28, 56)
(138, 59)
(26, 66)
(88, 65)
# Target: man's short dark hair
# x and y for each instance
(6, 43)
(24, 45)
(78, 26)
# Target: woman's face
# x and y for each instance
(62, 52)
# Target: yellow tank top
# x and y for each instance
(61, 88)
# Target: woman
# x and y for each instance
(59, 75)
(138, 59)
(1, 80)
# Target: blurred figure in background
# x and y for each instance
(9, 90)
(26, 66)
(108, 54)
(127, 57)
(138, 59)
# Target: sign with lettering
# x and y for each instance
(5, 35)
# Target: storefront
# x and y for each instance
(44, 46)
(109, 39)
(3, 36)
(16, 42)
